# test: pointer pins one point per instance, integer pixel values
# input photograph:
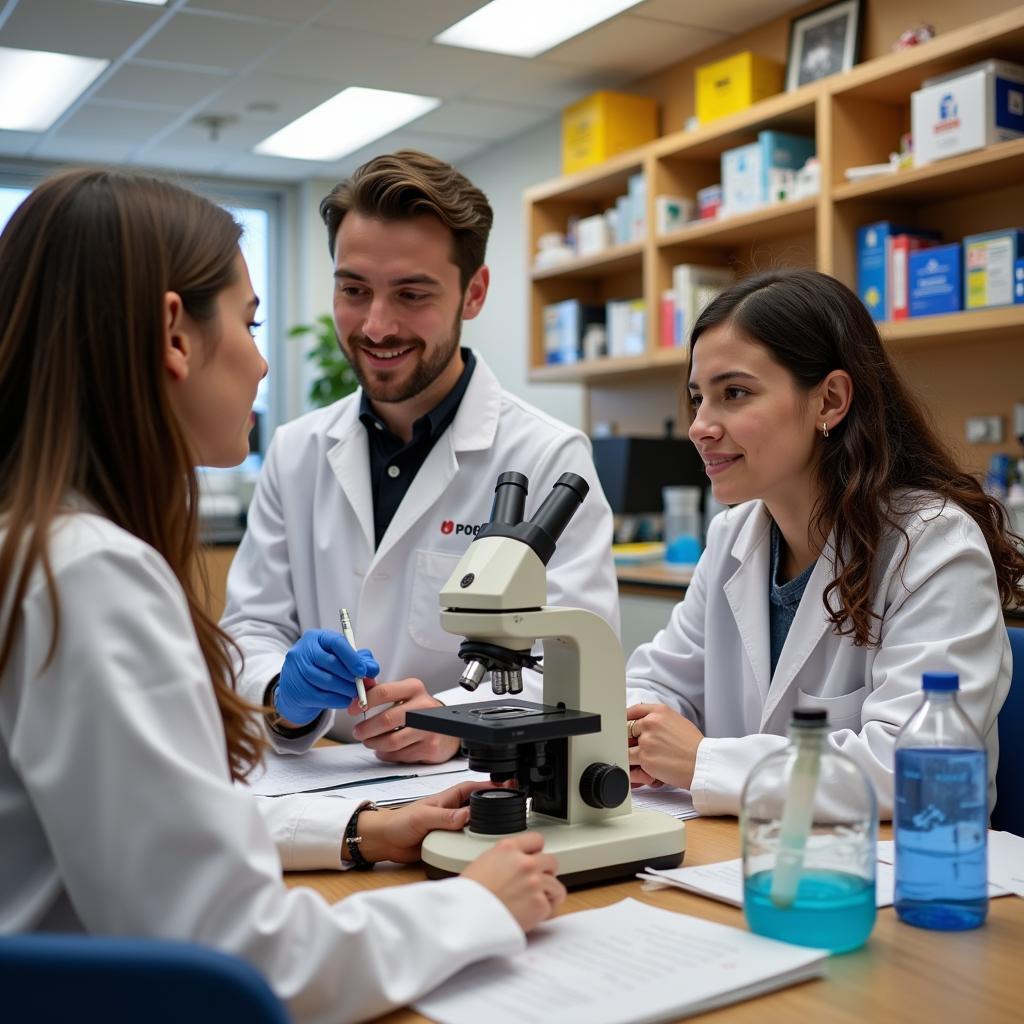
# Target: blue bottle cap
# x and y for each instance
(940, 681)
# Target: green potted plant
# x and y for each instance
(335, 378)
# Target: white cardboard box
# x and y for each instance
(969, 109)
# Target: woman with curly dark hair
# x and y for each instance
(856, 554)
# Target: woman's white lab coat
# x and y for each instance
(309, 545)
(940, 612)
(118, 815)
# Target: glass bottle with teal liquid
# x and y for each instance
(809, 826)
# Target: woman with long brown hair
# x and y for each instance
(126, 359)
(856, 554)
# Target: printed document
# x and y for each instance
(325, 768)
(629, 963)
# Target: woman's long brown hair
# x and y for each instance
(85, 262)
(884, 460)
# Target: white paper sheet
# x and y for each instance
(724, 880)
(401, 791)
(329, 767)
(676, 802)
(1005, 862)
(629, 963)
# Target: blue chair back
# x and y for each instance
(54, 979)
(1008, 815)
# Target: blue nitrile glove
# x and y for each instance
(320, 672)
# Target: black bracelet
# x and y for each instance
(352, 840)
(288, 732)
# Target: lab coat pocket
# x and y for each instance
(843, 711)
(432, 571)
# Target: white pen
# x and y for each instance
(346, 632)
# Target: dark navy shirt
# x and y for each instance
(783, 598)
(395, 463)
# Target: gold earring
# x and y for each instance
(824, 428)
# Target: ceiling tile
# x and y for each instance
(291, 97)
(207, 40)
(346, 58)
(445, 71)
(412, 19)
(100, 121)
(91, 151)
(203, 160)
(168, 159)
(272, 168)
(17, 143)
(635, 46)
(732, 17)
(545, 83)
(234, 137)
(88, 28)
(161, 86)
(295, 11)
(483, 121)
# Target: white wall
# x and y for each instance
(501, 332)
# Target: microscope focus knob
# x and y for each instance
(603, 785)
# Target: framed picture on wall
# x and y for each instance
(824, 42)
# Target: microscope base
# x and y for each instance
(595, 852)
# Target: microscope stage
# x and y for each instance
(614, 847)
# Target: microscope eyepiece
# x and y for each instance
(509, 499)
(560, 506)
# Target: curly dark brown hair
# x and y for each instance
(884, 460)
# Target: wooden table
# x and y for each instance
(904, 974)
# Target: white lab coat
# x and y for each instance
(309, 545)
(118, 815)
(941, 612)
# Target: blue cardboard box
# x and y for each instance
(1018, 281)
(871, 262)
(565, 323)
(747, 170)
(934, 280)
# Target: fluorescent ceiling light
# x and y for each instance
(345, 123)
(524, 28)
(37, 87)
(155, 3)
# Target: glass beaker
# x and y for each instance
(809, 827)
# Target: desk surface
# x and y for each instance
(904, 974)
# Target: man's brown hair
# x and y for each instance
(408, 184)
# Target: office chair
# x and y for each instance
(1009, 813)
(54, 979)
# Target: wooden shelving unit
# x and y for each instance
(856, 119)
(1001, 323)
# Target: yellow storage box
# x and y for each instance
(735, 83)
(604, 124)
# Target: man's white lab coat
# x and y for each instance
(309, 546)
(940, 613)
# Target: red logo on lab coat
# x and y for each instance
(447, 526)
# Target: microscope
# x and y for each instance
(566, 756)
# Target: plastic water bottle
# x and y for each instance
(941, 815)
(809, 832)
